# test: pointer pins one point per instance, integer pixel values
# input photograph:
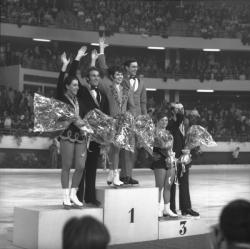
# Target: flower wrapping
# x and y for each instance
(53, 115)
(185, 158)
(102, 125)
(197, 136)
(163, 139)
(144, 130)
(125, 136)
(50, 114)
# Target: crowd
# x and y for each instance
(230, 122)
(210, 66)
(207, 19)
(190, 65)
(16, 109)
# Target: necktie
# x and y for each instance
(98, 95)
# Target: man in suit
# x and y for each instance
(90, 97)
(176, 127)
(132, 81)
(120, 99)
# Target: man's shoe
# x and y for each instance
(190, 212)
(132, 181)
(125, 179)
(95, 203)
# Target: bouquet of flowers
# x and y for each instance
(103, 126)
(144, 130)
(50, 114)
(163, 139)
(197, 136)
(53, 115)
(124, 137)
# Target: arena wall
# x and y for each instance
(35, 152)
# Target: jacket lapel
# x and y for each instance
(115, 95)
(92, 96)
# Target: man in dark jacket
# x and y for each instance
(90, 97)
(176, 127)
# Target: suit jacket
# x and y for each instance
(87, 101)
(117, 105)
(179, 141)
(140, 96)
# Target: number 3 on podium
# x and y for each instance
(132, 215)
(183, 229)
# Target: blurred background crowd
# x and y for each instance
(182, 63)
(206, 19)
(230, 122)
(183, 18)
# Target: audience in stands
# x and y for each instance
(207, 19)
(190, 65)
(229, 122)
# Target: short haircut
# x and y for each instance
(128, 62)
(85, 233)
(92, 69)
(113, 70)
(235, 221)
(160, 115)
(68, 80)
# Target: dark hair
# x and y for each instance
(160, 115)
(113, 70)
(128, 62)
(92, 69)
(68, 80)
(235, 221)
(85, 233)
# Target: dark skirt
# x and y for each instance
(160, 163)
(72, 134)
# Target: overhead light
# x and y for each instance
(211, 49)
(151, 89)
(205, 90)
(156, 48)
(41, 40)
(94, 44)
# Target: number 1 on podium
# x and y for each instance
(132, 215)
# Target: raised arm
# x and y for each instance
(101, 58)
(60, 86)
(74, 65)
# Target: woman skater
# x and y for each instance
(72, 142)
(163, 164)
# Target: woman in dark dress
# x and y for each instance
(73, 144)
(163, 164)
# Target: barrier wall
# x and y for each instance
(35, 152)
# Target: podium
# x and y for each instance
(181, 227)
(41, 227)
(130, 213)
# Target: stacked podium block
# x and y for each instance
(130, 214)
(41, 227)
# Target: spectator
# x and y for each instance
(7, 122)
(235, 154)
(85, 233)
(233, 229)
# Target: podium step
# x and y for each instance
(41, 227)
(130, 214)
(181, 227)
